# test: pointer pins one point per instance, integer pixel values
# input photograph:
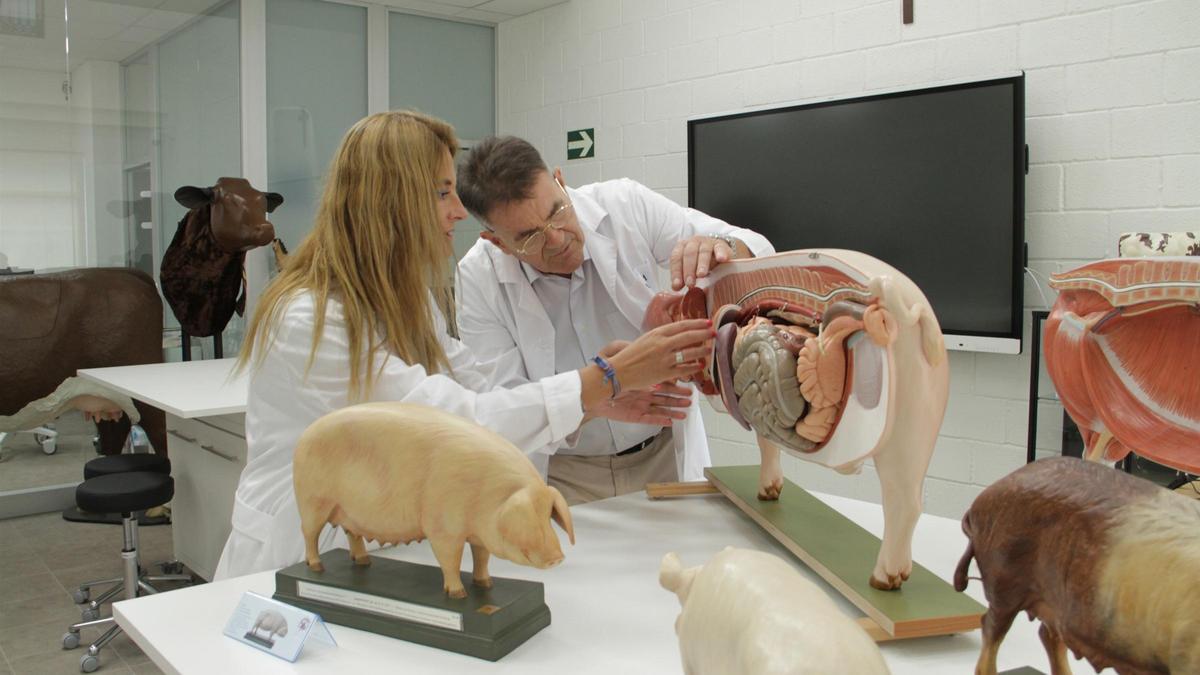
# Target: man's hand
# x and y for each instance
(660, 405)
(692, 258)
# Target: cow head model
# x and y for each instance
(201, 272)
(1123, 348)
(836, 357)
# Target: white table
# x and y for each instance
(185, 389)
(206, 441)
(609, 615)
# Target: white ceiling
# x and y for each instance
(113, 30)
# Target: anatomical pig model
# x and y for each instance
(398, 472)
(1122, 345)
(835, 357)
(750, 613)
(1108, 562)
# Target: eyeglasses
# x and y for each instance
(533, 242)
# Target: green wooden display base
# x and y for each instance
(405, 600)
(843, 553)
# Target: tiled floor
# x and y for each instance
(23, 465)
(43, 558)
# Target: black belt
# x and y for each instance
(637, 448)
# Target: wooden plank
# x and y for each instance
(664, 490)
(843, 554)
(873, 629)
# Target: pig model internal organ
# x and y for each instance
(1122, 345)
(399, 472)
(751, 613)
(835, 357)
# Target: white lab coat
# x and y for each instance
(282, 403)
(629, 232)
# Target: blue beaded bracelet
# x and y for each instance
(610, 374)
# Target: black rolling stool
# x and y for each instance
(124, 493)
(104, 466)
(125, 463)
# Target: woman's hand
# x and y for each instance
(661, 405)
(666, 353)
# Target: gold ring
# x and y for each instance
(678, 358)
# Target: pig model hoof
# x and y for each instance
(457, 593)
(483, 583)
(770, 493)
(893, 582)
(365, 561)
(316, 566)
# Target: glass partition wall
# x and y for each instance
(107, 107)
(445, 68)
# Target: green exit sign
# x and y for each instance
(581, 144)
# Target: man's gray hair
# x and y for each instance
(499, 170)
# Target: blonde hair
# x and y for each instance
(375, 247)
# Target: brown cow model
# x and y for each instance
(201, 271)
(1106, 561)
(53, 324)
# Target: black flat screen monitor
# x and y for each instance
(930, 181)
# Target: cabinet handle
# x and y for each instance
(180, 436)
(213, 450)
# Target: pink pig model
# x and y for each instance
(398, 472)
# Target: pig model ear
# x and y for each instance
(670, 572)
(561, 514)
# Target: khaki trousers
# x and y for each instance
(584, 478)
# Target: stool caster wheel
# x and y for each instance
(81, 596)
(174, 567)
(89, 614)
(89, 663)
(70, 640)
(49, 443)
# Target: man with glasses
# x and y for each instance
(557, 274)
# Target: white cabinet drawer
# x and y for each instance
(206, 461)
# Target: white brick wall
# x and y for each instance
(1113, 122)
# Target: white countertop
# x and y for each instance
(609, 615)
(185, 389)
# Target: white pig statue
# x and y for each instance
(399, 472)
(750, 613)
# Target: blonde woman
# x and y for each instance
(353, 318)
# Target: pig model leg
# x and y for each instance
(1056, 649)
(1096, 452)
(770, 472)
(900, 477)
(479, 571)
(358, 549)
(449, 552)
(995, 627)
(312, 520)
